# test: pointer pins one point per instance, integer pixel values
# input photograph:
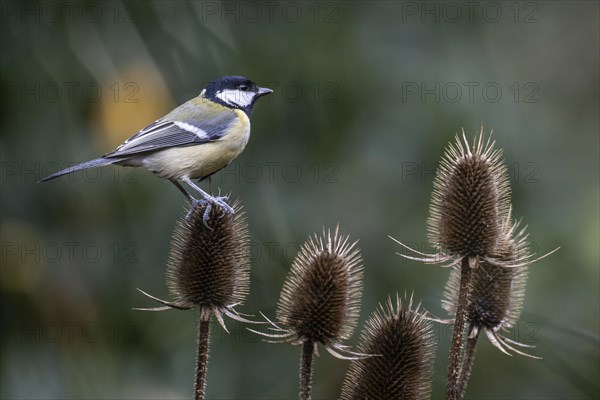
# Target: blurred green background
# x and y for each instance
(367, 95)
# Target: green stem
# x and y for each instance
(454, 367)
(202, 356)
(308, 349)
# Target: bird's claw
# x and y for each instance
(193, 204)
(222, 202)
(219, 201)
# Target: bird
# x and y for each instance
(194, 141)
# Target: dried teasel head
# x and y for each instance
(320, 299)
(471, 198)
(497, 290)
(403, 345)
(470, 201)
(210, 266)
(209, 263)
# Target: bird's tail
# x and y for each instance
(98, 162)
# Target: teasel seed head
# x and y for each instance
(403, 345)
(497, 289)
(209, 262)
(210, 266)
(470, 199)
(320, 299)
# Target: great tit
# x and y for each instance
(193, 141)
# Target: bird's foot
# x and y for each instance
(193, 204)
(221, 201)
(209, 202)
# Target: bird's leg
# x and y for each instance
(214, 199)
(182, 190)
(221, 201)
(191, 199)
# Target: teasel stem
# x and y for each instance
(202, 355)
(467, 364)
(453, 389)
(308, 349)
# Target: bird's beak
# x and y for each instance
(262, 91)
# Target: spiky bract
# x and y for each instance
(403, 345)
(471, 197)
(320, 299)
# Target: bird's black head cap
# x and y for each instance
(235, 91)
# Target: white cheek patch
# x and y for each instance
(236, 97)
(193, 129)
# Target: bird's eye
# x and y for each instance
(244, 88)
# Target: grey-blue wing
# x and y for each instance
(190, 124)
